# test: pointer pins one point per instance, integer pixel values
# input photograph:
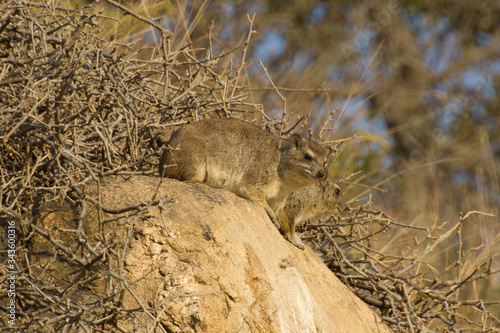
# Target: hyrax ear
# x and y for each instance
(328, 151)
(296, 140)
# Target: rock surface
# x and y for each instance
(222, 266)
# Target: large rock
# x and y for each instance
(222, 266)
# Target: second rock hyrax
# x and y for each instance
(311, 202)
(244, 159)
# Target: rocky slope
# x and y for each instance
(221, 267)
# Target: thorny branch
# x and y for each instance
(76, 108)
(409, 294)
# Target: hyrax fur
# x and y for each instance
(311, 202)
(244, 159)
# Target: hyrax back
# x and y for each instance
(244, 159)
(311, 202)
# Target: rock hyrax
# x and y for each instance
(311, 202)
(244, 159)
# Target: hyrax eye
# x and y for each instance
(308, 157)
(337, 191)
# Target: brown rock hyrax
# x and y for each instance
(244, 159)
(311, 202)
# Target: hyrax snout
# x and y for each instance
(244, 159)
(311, 202)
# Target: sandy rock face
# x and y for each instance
(222, 266)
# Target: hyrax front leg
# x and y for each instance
(251, 193)
(288, 228)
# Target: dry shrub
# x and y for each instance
(408, 292)
(77, 107)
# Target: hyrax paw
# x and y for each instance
(276, 223)
(295, 240)
(299, 244)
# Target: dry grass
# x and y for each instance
(79, 104)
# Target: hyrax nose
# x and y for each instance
(320, 174)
